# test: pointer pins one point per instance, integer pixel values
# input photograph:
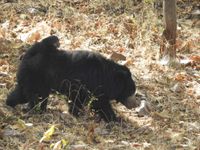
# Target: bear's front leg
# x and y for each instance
(43, 103)
(75, 106)
(105, 110)
(44, 98)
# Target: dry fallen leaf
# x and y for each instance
(181, 77)
(57, 24)
(117, 56)
(162, 115)
(127, 62)
(173, 135)
(178, 88)
(20, 124)
(136, 145)
(195, 58)
(34, 37)
(2, 32)
(48, 134)
(4, 66)
(59, 145)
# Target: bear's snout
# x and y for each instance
(131, 102)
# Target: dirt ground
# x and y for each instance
(127, 31)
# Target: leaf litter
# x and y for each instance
(129, 33)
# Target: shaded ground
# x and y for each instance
(129, 28)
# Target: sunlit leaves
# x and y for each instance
(62, 144)
(48, 134)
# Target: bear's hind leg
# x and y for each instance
(44, 98)
(15, 97)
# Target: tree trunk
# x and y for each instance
(168, 47)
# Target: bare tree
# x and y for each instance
(168, 47)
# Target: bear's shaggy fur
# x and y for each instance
(84, 77)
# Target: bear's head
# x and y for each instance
(125, 87)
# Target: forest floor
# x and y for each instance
(128, 32)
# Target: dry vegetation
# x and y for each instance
(128, 28)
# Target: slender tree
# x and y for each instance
(168, 47)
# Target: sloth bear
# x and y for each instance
(31, 79)
(86, 78)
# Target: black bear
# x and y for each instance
(84, 77)
(31, 79)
